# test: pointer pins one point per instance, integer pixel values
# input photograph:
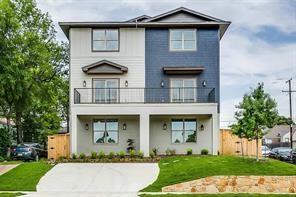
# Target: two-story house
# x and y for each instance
(151, 79)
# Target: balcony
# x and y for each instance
(143, 95)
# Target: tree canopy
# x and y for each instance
(255, 114)
(33, 69)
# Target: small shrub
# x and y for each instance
(74, 156)
(172, 152)
(155, 150)
(152, 154)
(1, 159)
(132, 153)
(189, 151)
(101, 154)
(93, 155)
(204, 151)
(82, 156)
(140, 154)
(121, 154)
(168, 151)
(111, 155)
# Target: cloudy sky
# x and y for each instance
(259, 46)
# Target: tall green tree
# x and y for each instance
(32, 64)
(255, 114)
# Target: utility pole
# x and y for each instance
(290, 103)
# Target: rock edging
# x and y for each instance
(229, 184)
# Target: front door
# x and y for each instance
(105, 90)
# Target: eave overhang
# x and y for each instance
(104, 67)
(183, 70)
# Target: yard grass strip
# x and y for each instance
(24, 177)
(189, 168)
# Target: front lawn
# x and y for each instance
(10, 194)
(180, 169)
(23, 177)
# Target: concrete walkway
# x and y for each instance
(5, 168)
(97, 179)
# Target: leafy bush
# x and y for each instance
(130, 145)
(152, 154)
(93, 155)
(204, 151)
(1, 159)
(168, 151)
(101, 154)
(121, 154)
(74, 156)
(111, 155)
(82, 156)
(172, 152)
(155, 150)
(132, 153)
(5, 141)
(189, 151)
(140, 154)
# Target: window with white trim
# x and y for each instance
(183, 130)
(182, 39)
(105, 90)
(105, 131)
(105, 40)
(183, 90)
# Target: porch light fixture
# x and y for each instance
(124, 126)
(164, 126)
(86, 126)
(126, 83)
(84, 83)
(162, 83)
(202, 127)
(204, 83)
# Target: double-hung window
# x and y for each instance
(105, 90)
(105, 40)
(183, 130)
(183, 90)
(105, 131)
(182, 39)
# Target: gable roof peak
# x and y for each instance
(183, 9)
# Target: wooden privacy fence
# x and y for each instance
(58, 146)
(232, 145)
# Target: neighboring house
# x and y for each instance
(3, 124)
(279, 134)
(151, 79)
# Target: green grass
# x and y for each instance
(185, 168)
(24, 177)
(10, 194)
(220, 195)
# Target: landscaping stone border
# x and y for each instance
(237, 184)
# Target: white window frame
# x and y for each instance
(183, 79)
(182, 49)
(105, 40)
(106, 90)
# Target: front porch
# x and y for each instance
(109, 133)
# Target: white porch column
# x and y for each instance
(144, 133)
(73, 133)
(216, 133)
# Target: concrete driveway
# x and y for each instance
(106, 179)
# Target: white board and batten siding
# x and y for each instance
(131, 54)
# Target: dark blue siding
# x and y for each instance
(157, 56)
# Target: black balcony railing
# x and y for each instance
(144, 95)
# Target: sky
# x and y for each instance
(259, 45)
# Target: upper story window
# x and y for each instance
(182, 39)
(105, 40)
